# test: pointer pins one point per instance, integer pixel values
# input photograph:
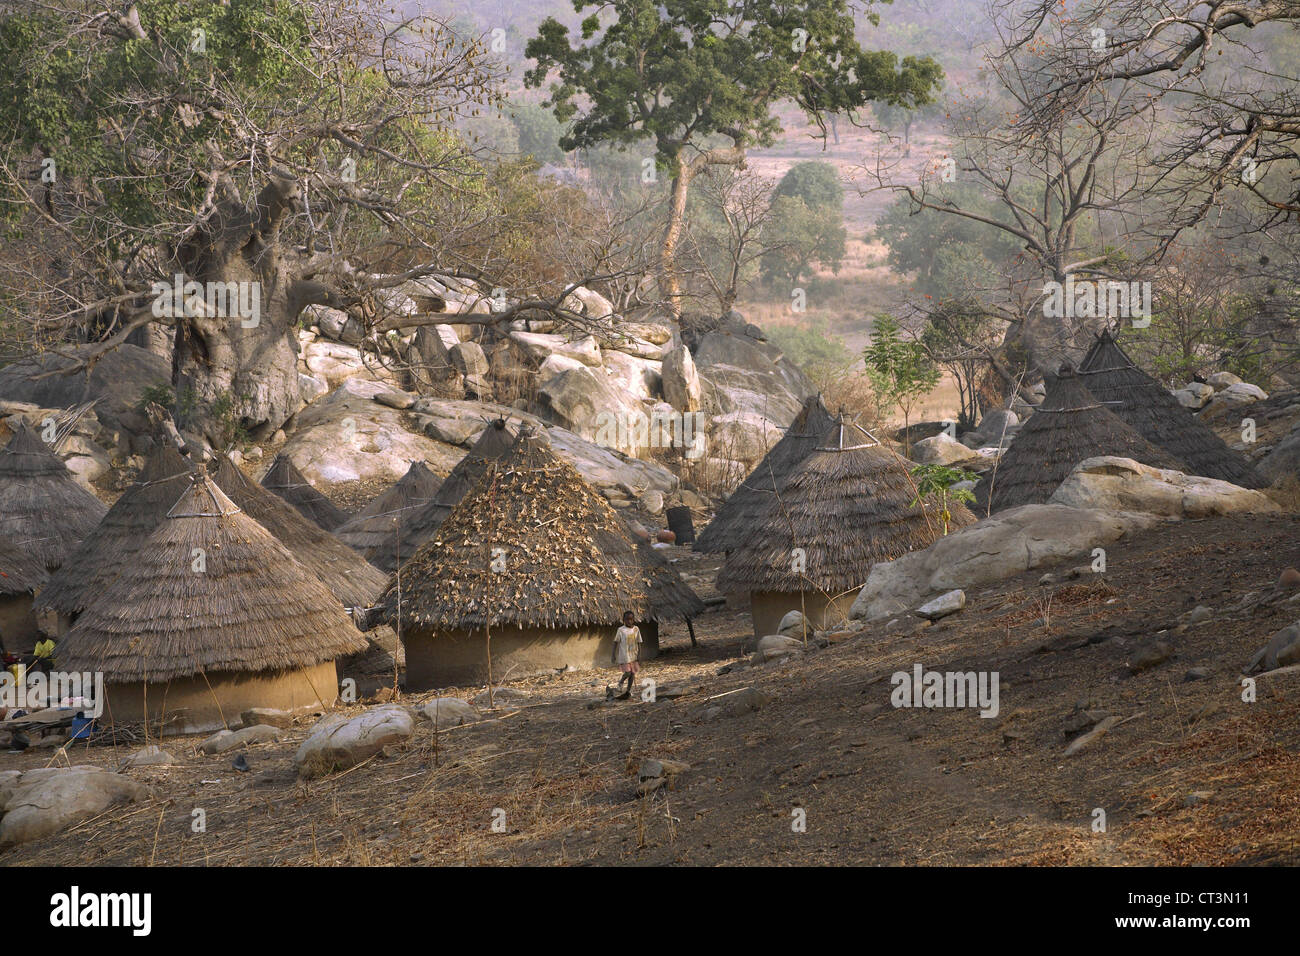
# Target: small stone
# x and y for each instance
(793, 624)
(943, 605)
(1196, 673)
(1198, 797)
(1200, 614)
(1150, 655)
(151, 755)
(267, 716)
(224, 740)
(1289, 580)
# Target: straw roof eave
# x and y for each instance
(566, 559)
(250, 607)
(43, 510)
(838, 514)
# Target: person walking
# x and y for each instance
(627, 652)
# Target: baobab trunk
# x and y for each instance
(238, 370)
(236, 358)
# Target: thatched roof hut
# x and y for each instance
(377, 525)
(333, 563)
(1069, 426)
(842, 509)
(117, 539)
(533, 554)
(731, 526)
(421, 525)
(20, 571)
(213, 614)
(284, 478)
(43, 511)
(21, 576)
(1147, 406)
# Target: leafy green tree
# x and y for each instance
(936, 481)
(816, 183)
(539, 132)
(683, 74)
(807, 235)
(899, 370)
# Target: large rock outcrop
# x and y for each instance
(992, 550)
(1122, 484)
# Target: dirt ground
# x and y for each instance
(875, 784)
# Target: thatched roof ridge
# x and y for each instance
(568, 558)
(20, 571)
(338, 567)
(378, 523)
(1158, 416)
(43, 511)
(1069, 426)
(847, 505)
(251, 606)
(420, 526)
(116, 540)
(284, 478)
(730, 527)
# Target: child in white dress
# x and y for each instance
(627, 652)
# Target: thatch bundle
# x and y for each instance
(117, 539)
(43, 511)
(420, 526)
(731, 526)
(564, 559)
(333, 563)
(1069, 426)
(846, 506)
(377, 525)
(250, 606)
(20, 571)
(1143, 403)
(284, 478)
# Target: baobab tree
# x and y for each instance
(282, 152)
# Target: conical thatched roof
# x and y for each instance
(1143, 403)
(378, 523)
(731, 526)
(568, 560)
(333, 563)
(252, 606)
(421, 525)
(847, 505)
(43, 511)
(284, 478)
(117, 539)
(20, 572)
(1069, 426)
